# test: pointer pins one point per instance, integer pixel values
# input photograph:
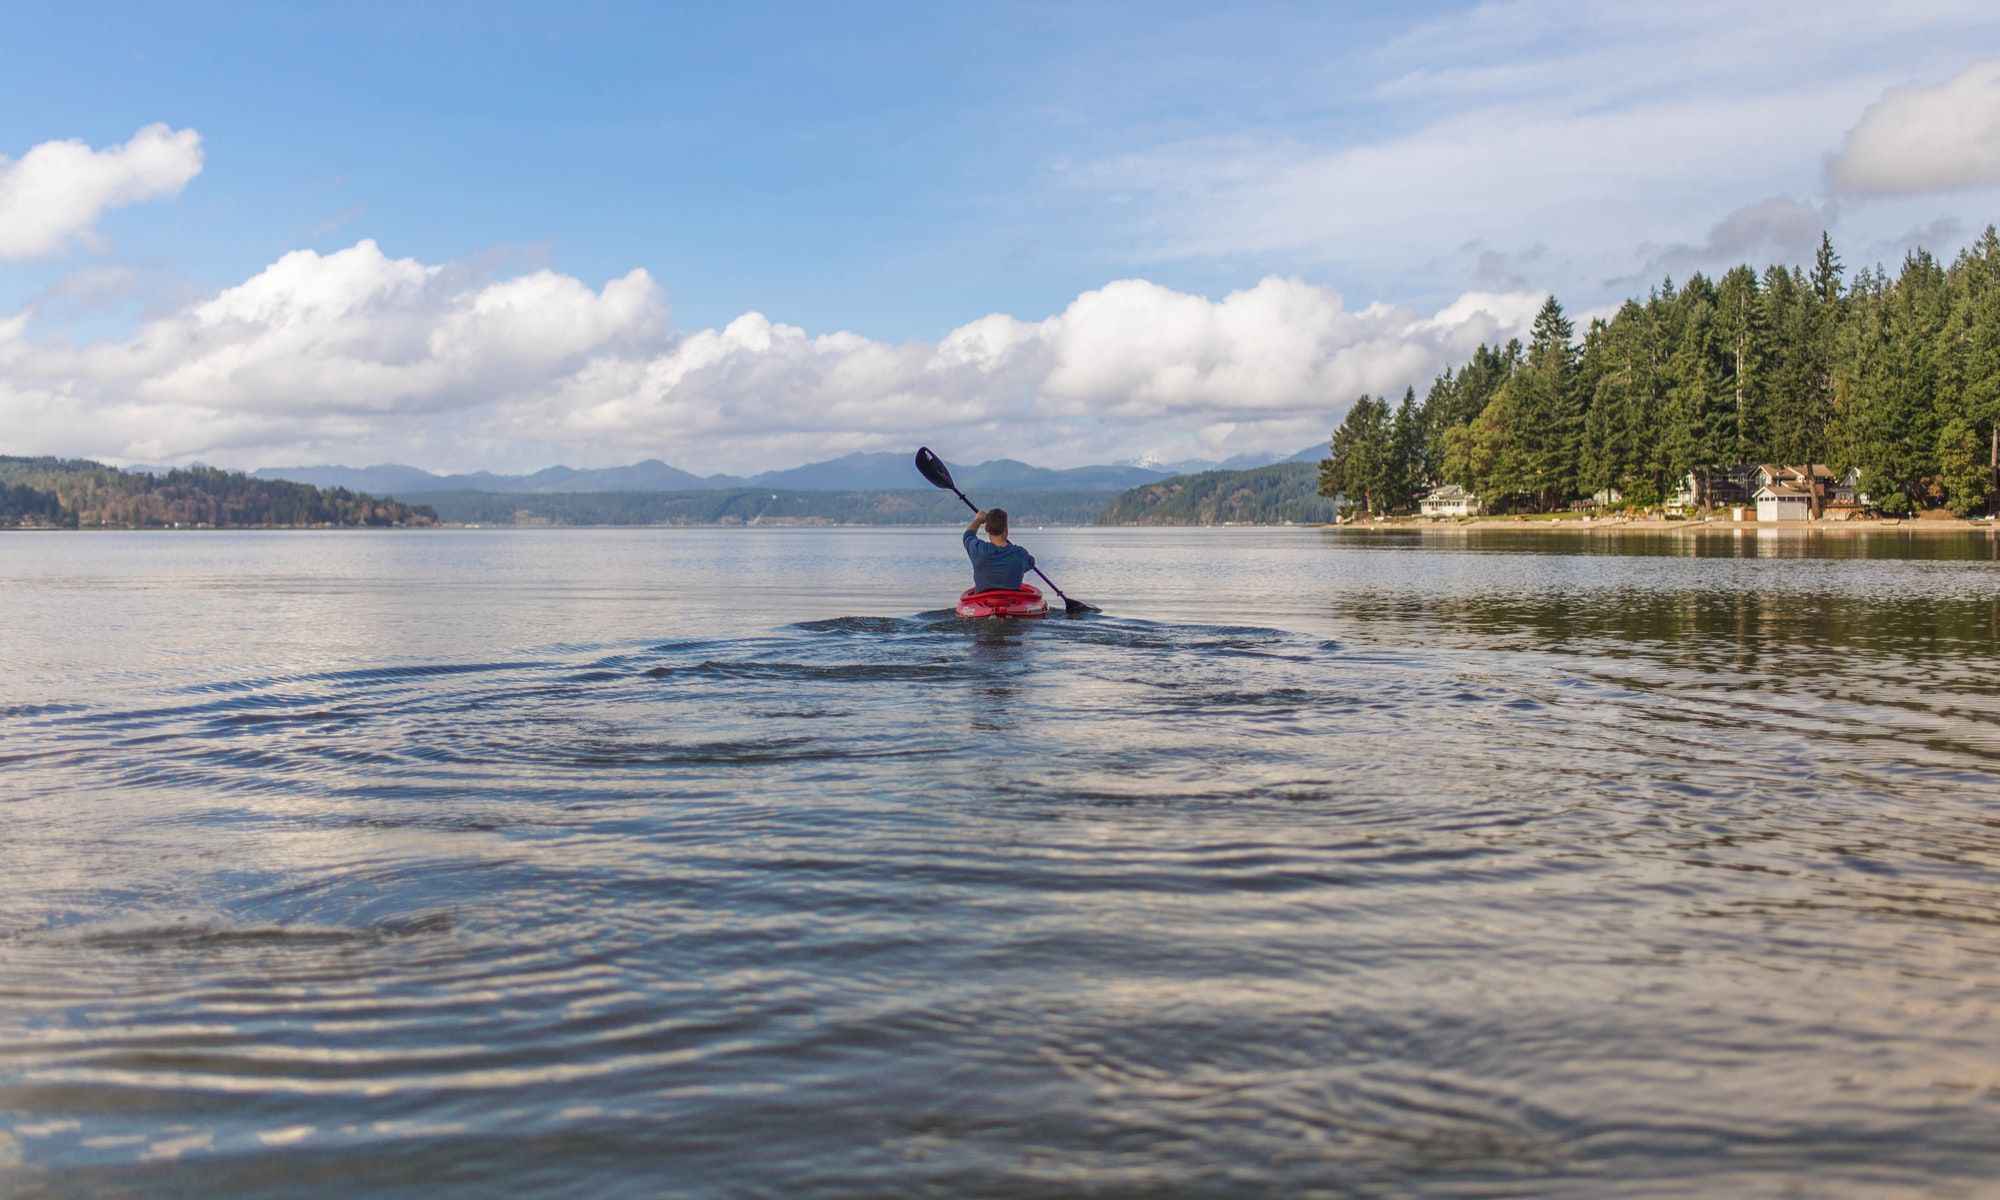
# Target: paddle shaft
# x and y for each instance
(1037, 570)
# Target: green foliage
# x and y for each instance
(1361, 465)
(1456, 398)
(1265, 496)
(1377, 460)
(21, 505)
(1489, 456)
(1407, 477)
(1790, 367)
(1549, 422)
(1962, 467)
(90, 495)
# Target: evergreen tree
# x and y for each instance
(1408, 477)
(1740, 317)
(1797, 367)
(1966, 479)
(1488, 456)
(1971, 344)
(1885, 382)
(1550, 410)
(1826, 271)
(1359, 465)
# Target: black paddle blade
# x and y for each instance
(933, 468)
(1077, 608)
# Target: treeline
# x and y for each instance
(80, 494)
(758, 506)
(1898, 377)
(1263, 496)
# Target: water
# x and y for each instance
(630, 863)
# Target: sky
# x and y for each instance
(739, 237)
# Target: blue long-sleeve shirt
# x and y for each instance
(996, 566)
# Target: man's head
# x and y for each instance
(996, 522)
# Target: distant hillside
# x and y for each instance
(761, 506)
(888, 471)
(1264, 496)
(1008, 473)
(894, 471)
(80, 494)
(397, 480)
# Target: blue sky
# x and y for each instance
(1045, 230)
(891, 169)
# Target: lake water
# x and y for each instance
(644, 862)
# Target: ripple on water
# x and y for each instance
(1070, 906)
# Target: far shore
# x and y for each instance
(1926, 525)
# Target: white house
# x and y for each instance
(1450, 500)
(1783, 502)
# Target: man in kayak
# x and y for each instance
(999, 563)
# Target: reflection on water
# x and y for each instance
(717, 863)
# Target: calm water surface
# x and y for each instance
(631, 863)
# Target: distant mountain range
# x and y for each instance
(1235, 462)
(885, 471)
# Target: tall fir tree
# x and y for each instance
(1740, 318)
(1407, 473)
(1551, 409)
(1359, 466)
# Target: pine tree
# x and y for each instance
(1359, 464)
(1826, 271)
(1488, 455)
(1973, 332)
(1697, 395)
(1740, 316)
(1551, 413)
(1407, 475)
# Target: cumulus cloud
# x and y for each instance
(1926, 139)
(357, 355)
(53, 195)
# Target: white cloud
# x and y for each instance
(1926, 139)
(54, 194)
(1614, 134)
(357, 356)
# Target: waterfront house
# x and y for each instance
(1847, 491)
(1840, 496)
(1713, 487)
(1450, 500)
(1819, 474)
(1783, 502)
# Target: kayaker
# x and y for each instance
(998, 563)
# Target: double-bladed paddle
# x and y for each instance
(932, 467)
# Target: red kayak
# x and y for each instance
(1023, 601)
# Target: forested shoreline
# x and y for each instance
(1273, 495)
(1897, 377)
(74, 493)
